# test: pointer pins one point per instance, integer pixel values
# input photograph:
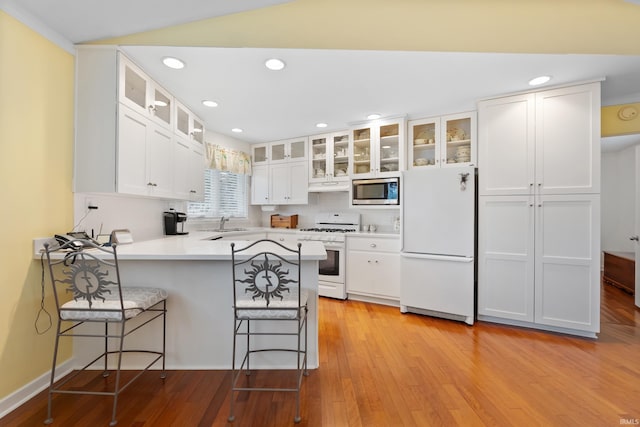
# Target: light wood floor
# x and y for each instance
(383, 368)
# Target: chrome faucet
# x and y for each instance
(223, 219)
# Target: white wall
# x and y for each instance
(618, 199)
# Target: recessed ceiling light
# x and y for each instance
(539, 80)
(274, 64)
(208, 103)
(236, 130)
(321, 125)
(171, 62)
(374, 116)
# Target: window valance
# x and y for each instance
(227, 160)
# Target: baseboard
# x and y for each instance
(20, 396)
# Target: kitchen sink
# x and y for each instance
(224, 230)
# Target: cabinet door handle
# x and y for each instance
(193, 191)
(373, 245)
(636, 238)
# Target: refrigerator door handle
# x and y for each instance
(436, 257)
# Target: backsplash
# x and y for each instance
(143, 216)
(383, 218)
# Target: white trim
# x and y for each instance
(20, 396)
(37, 25)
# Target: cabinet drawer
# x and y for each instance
(373, 244)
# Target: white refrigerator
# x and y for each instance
(438, 242)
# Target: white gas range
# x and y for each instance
(330, 228)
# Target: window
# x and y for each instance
(225, 194)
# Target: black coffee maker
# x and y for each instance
(171, 221)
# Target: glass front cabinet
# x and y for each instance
(329, 157)
(378, 148)
(447, 141)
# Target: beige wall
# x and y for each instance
(525, 26)
(36, 137)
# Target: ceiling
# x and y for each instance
(338, 87)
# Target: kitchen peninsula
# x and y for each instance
(196, 271)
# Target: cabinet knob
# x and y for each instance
(152, 108)
(373, 245)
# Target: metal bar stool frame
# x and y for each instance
(264, 306)
(86, 261)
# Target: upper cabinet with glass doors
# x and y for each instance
(289, 150)
(188, 126)
(378, 148)
(140, 93)
(329, 157)
(447, 141)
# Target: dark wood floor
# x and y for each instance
(383, 368)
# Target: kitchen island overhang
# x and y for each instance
(196, 272)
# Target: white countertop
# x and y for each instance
(197, 245)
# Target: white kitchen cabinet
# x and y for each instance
(189, 170)
(539, 215)
(283, 238)
(539, 260)
(447, 141)
(377, 148)
(125, 140)
(288, 184)
(290, 150)
(285, 151)
(140, 93)
(373, 267)
(260, 185)
(280, 173)
(506, 258)
(188, 125)
(329, 158)
(545, 142)
(260, 154)
(145, 154)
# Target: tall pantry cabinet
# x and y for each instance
(539, 209)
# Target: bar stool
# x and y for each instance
(268, 302)
(87, 289)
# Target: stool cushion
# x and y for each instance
(134, 299)
(248, 308)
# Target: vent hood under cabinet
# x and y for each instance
(329, 186)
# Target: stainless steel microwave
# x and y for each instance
(376, 191)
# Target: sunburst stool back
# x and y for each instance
(270, 312)
(87, 290)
